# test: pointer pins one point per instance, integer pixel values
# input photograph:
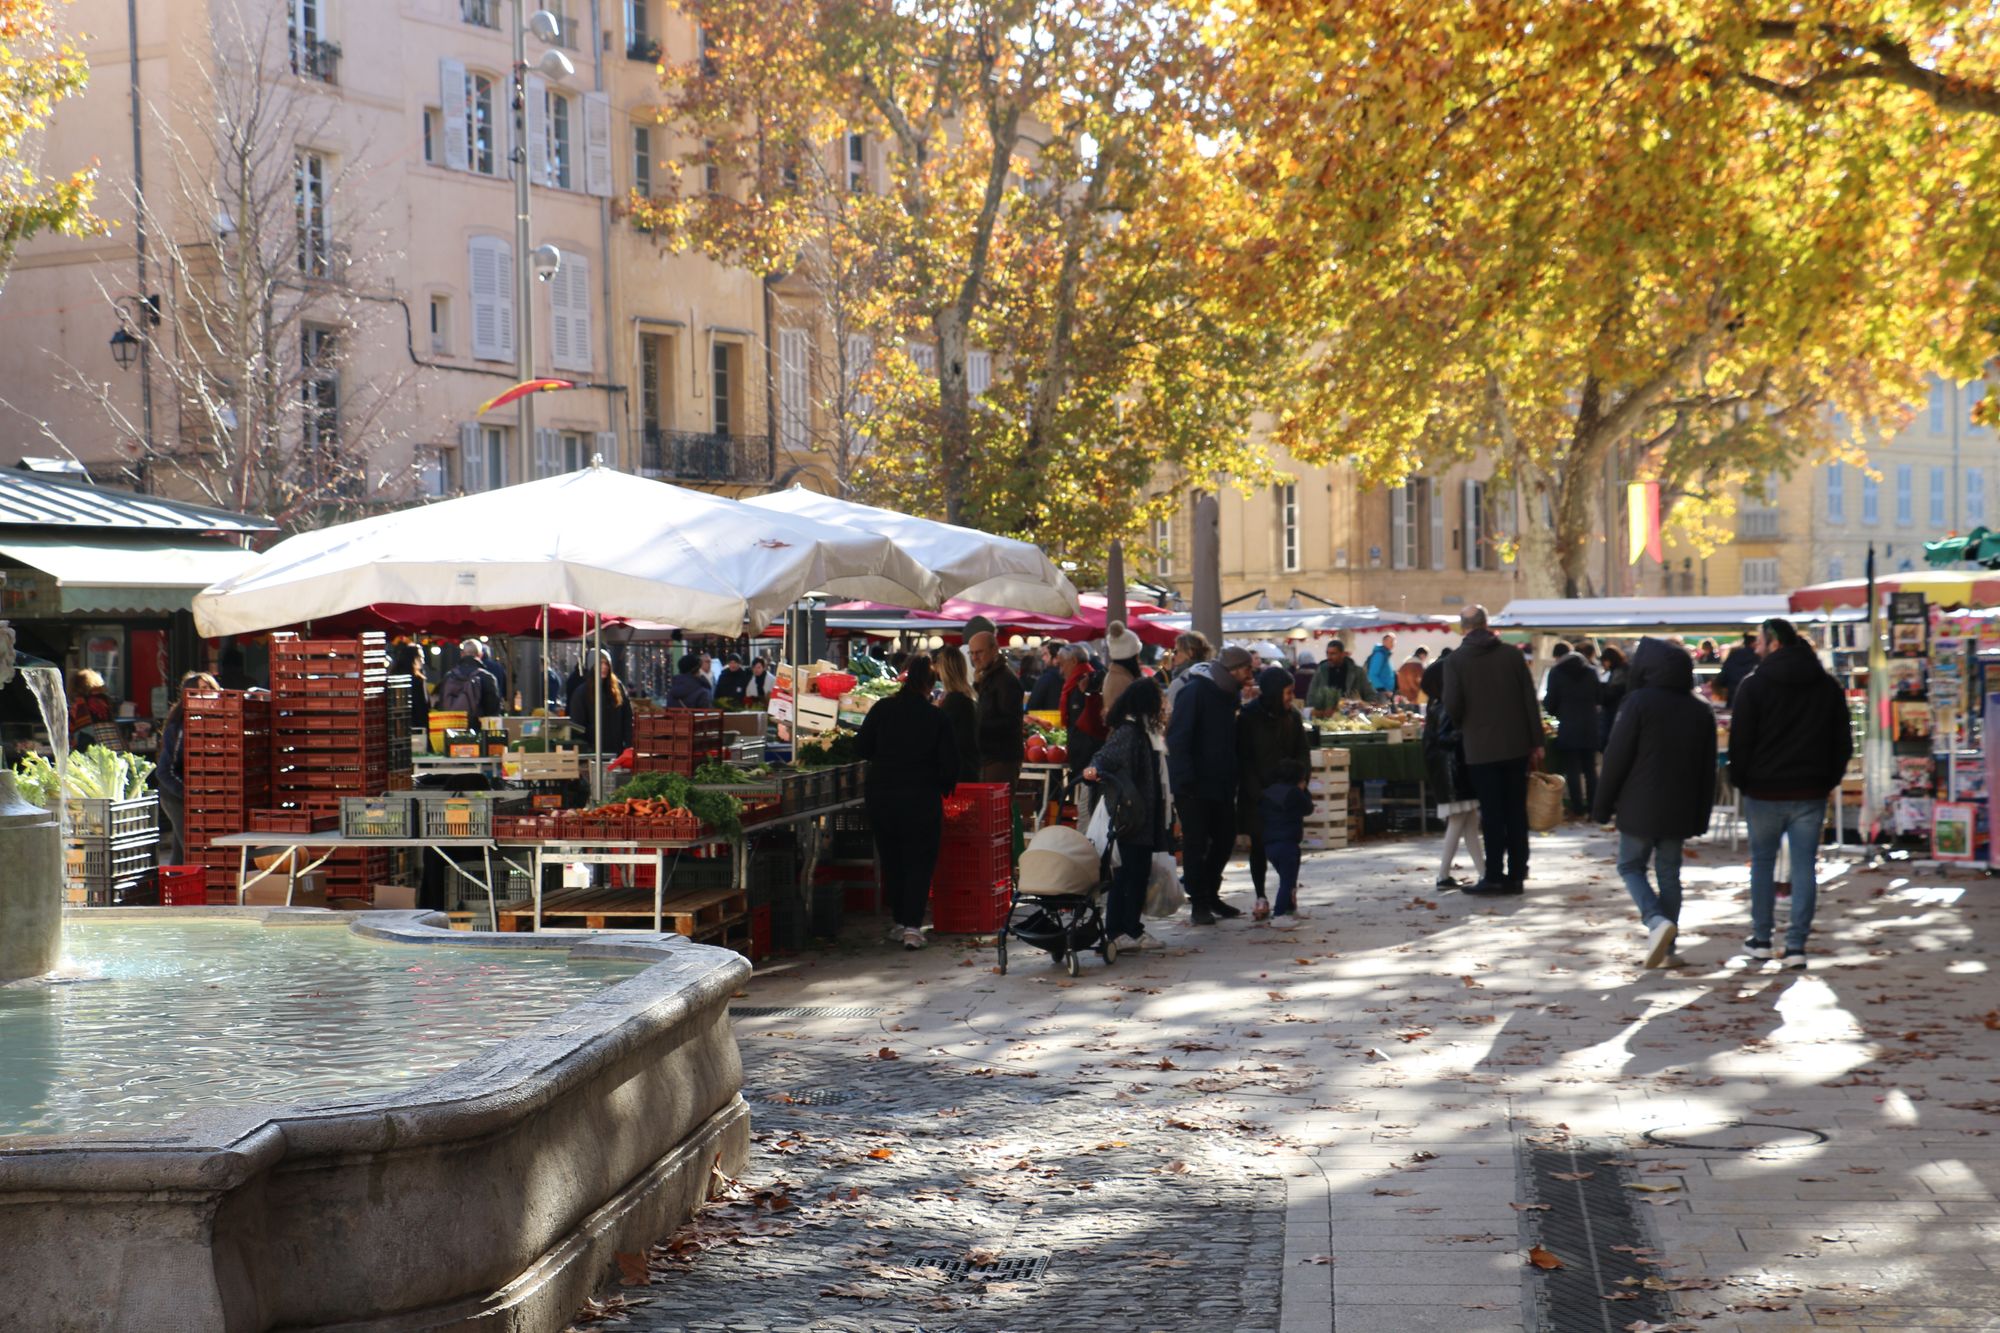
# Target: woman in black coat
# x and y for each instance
(1268, 732)
(960, 707)
(1572, 695)
(912, 767)
(1448, 782)
(1130, 762)
(1659, 780)
(1617, 680)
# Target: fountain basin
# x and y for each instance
(492, 1195)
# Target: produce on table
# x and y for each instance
(715, 774)
(659, 792)
(92, 774)
(835, 747)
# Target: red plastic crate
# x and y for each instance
(183, 886)
(760, 933)
(969, 912)
(979, 809)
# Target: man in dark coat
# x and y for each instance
(1659, 779)
(1002, 708)
(1789, 743)
(1491, 696)
(1202, 769)
(1736, 667)
(1572, 695)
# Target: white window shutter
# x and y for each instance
(504, 302)
(537, 96)
(559, 317)
(452, 90)
(607, 448)
(1434, 494)
(569, 314)
(924, 355)
(1399, 528)
(548, 453)
(794, 391)
(484, 285)
(978, 372)
(471, 463)
(597, 144)
(860, 358)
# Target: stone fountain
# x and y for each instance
(31, 890)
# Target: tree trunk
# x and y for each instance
(954, 409)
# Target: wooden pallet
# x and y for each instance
(696, 915)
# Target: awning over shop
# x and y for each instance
(1979, 546)
(1329, 620)
(1612, 614)
(1947, 588)
(113, 576)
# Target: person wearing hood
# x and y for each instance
(1659, 783)
(1491, 696)
(1573, 695)
(690, 688)
(1123, 649)
(1202, 769)
(1339, 677)
(1789, 743)
(1448, 780)
(1269, 731)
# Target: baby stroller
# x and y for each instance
(1058, 905)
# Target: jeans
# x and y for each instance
(909, 827)
(1502, 789)
(1579, 774)
(1128, 889)
(1284, 858)
(1208, 838)
(1798, 822)
(1665, 854)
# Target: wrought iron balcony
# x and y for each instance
(641, 47)
(704, 458)
(315, 58)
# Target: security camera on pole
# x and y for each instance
(541, 264)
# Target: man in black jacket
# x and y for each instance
(1201, 769)
(1789, 743)
(1659, 776)
(1736, 667)
(1572, 695)
(1490, 694)
(1001, 711)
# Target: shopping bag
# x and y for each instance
(1545, 801)
(1164, 896)
(1098, 830)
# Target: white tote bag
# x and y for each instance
(1164, 896)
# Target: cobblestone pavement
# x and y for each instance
(1368, 1122)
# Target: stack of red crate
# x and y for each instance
(330, 738)
(679, 740)
(227, 762)
(975, 868)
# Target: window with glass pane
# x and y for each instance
(1760, 577)
(483, 126)
(310, 202)
(493, 444)
(1871, 499)
(720, 387)
(1937, 405)
(1163, 547)
(642, 160)
(1975, 495)
(559, 142)
(1288, 524)
(1836, 493)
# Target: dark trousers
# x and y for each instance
(1579, 775)
(1502, 789)
(1208, 837)
(1128, 888)
(908, 828)
(1284, 857)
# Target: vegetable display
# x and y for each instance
(836, 747)
(92, 774)
(671, 791)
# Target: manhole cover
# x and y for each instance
(1735, 1136)
(807, 1097)
(1018, 1268)
(805, 1011)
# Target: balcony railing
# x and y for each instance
(1757, 525)
(697, 456)
(315, 58)
(485, 13)
(638, 46)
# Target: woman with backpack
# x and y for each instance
(1128, 771)
(1268, 732)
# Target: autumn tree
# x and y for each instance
(1647, 241)
(1038, 184)
(38, 70)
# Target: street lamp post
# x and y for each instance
(529, 267)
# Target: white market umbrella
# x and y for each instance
(970, 565)
(600, 539)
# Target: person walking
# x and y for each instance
(1573, 695)
(912, 766)
(1491, 696)
(1190, 647)
(690, 687)
(609, 695)
(1082, 710)
(1269, 731)
(406, 658)
(1449, 780)
(1736, 667)
(1202, 768)
(960, 707)
(1002, 744)
(1123, 650)
(1789, 743)
(1659, 783)
(1127, 772)
(1339, 678)
(469, 687)
(1382, 666)
(1282, 808)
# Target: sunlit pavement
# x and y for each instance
(1387, 1073)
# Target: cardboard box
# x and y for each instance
(395, 898)
(270, 892)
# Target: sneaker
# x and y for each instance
(1224, 910)
(1201, 916)
(1447, 883)
(1143, 941)
(1491, 888)
(1757, 948)
(1660, 943)
(1795, 960)
(913, 939)
(1260, 909)
(895, 933)
(1288, 921)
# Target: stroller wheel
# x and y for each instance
(1110, 949)
(1001, 949)
(1070, 963)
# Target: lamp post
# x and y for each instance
(139, 247)
(543, 264)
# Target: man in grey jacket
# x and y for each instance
(1490, 694)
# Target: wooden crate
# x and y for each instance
(697, 915)
(1332, 756)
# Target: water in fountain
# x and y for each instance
(45, 683)
(31, 842)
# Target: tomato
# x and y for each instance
(1036, 750)
(1056, 754)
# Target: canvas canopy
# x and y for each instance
(972, 565)
(600, 539)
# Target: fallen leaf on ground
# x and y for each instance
(886, 1054)
(632, 1269)
(1571, 1175)
(1541, 1258)
(1529, 1207)
(882, 1154)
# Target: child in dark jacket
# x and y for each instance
(1284, 806)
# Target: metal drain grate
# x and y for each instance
(1585, 1220)
(806, 1097)
(1021, 1268)
(805, 1011)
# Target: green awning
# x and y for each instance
(1978, 546)
(113, 576)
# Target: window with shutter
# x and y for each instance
(1434, 497)
(597, 144)
(1474, 535)
(642, 161)
(607, 448)
(471, 463)
(978, 372)
(536, 90)
(924, 357)
(860, 357)
(492, 287)
(1401, 531)
(569, 314)
(1288, 526)
(794, 392)
(454, 106)
(545, 454)
(493, 442)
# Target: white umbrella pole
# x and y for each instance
(597, 717)
(548, 704)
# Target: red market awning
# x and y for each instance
(1947, 588)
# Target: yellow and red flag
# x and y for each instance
(524, 387)
(1642, 521)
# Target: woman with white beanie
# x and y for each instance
(1122, 649)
